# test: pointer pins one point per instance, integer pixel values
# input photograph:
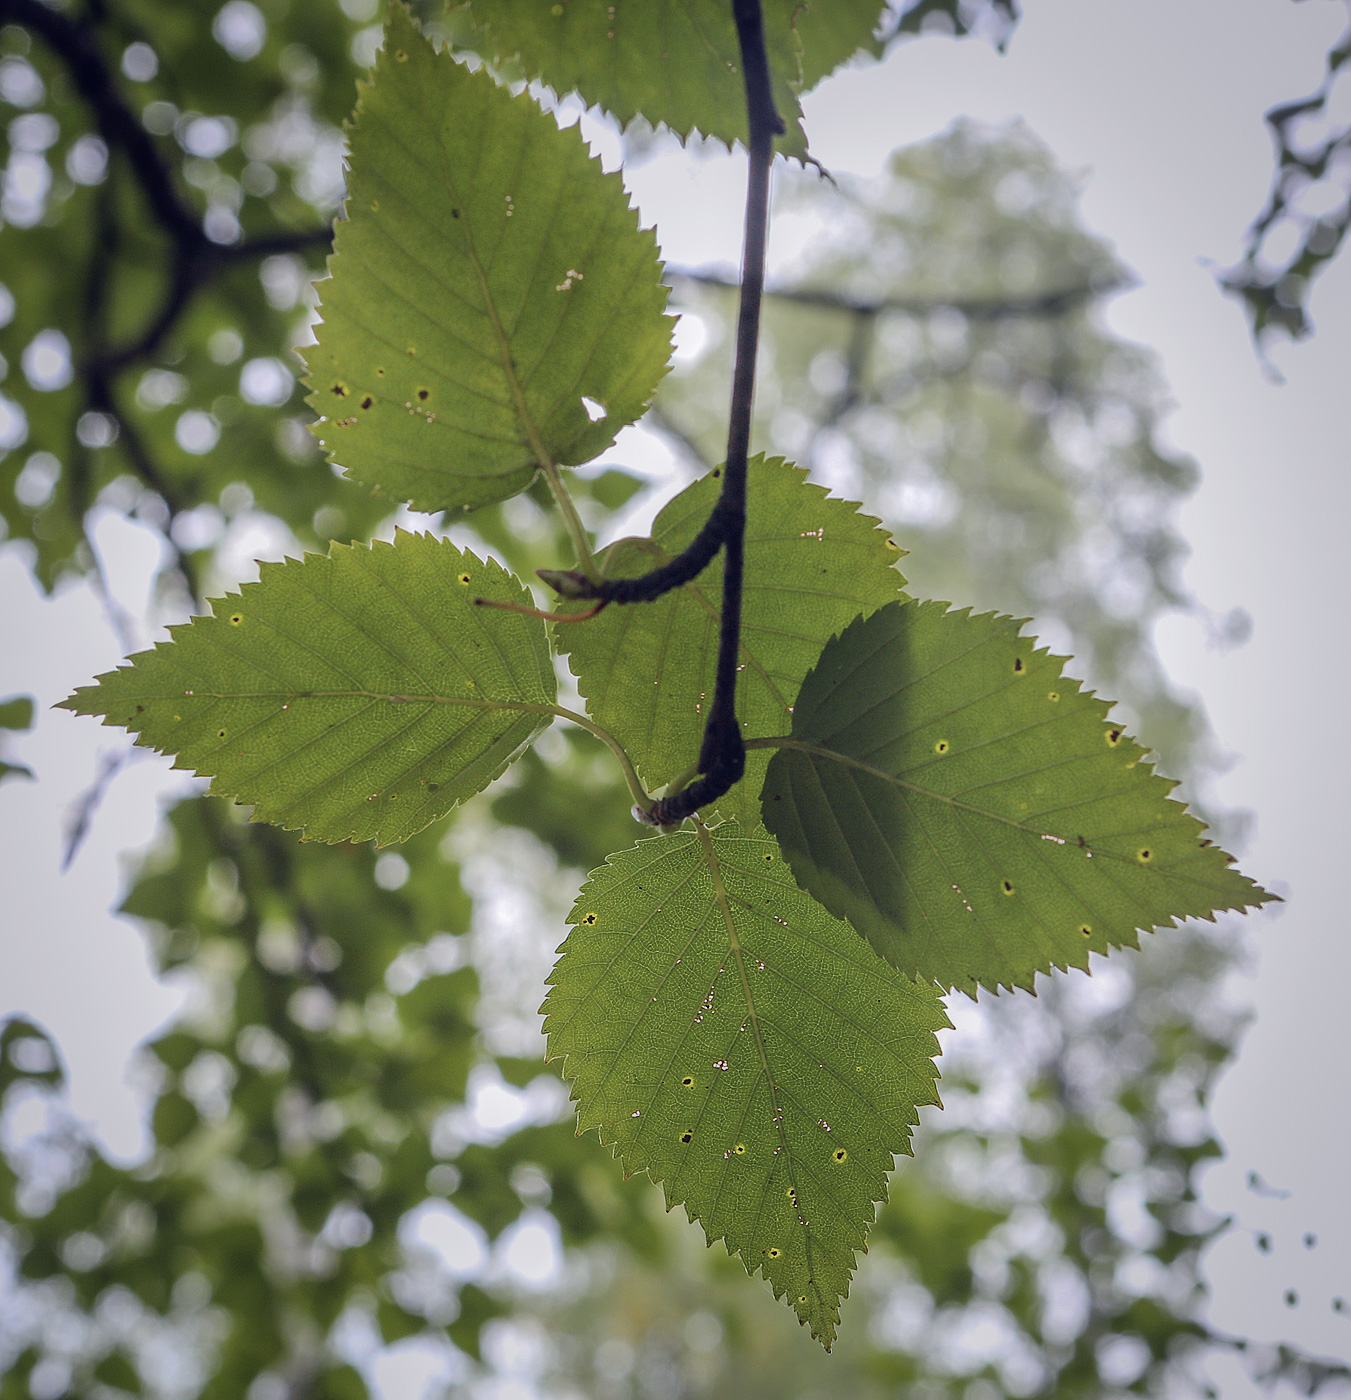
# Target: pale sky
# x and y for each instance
(1159, 103)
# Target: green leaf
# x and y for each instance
(677, 62)
(972, 811)
(16, 712)
(359, 695)
(489, 276)
(813, 563)
(746, 1050)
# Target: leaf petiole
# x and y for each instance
(642, 801)
(581, 541)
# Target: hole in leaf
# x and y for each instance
(1018, 666)
(839, 1154)
(1086, 930)
(774, 1253)
(594, 411)
(740, 1149)
(1145, 855)
(687, 1137)
(588, 918)
(464, 578)
(688, 1081)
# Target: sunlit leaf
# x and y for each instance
(746, 1050)
(973, 812)
(677, 62)
(489, 278)
(359, 695)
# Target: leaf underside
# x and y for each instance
(677, 62)
(972, 811)
(746, 1050)
(488, 276)
(359, 695)
(812, 564)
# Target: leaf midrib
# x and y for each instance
(724, 904)
(895, 780)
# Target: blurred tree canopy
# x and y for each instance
(357, 1150)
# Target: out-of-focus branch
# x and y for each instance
(194, 260)
(1277, 297)
(1056, 302)
(75, 43)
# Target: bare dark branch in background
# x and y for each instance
(1310, 149)
(1052, 303)
(193, 260)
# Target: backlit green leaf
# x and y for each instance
(359, 695)
(488, 278)
(972, 811)
(746, 1050)
(677, 61)
(813, 564)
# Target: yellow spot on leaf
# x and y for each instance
(942, 746)
(236, 619)
(586, 918)
(839, 1154)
